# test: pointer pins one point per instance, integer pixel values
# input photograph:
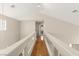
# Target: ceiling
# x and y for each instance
(63, 11)
(27, 11)
(20, 11)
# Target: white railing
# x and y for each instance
(48, 47)
(62, 48)
(20, 46)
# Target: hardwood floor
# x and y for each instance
(40, 48)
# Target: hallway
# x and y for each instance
(40, 48)
(23, 26)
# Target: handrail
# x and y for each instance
(17, 47)
(48, 47)
(63, 48)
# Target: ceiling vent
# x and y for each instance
(74, 11)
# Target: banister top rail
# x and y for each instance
(63, 48)
(9, 49)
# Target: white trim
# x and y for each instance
(48, 48)
(63, 48)
(17, 47)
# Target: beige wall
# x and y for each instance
(27, 27)
(76, 46)
(11, 35)
(66, 32)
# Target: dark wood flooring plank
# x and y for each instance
(40, 48)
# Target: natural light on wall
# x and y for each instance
(2, 25)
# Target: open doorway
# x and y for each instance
(39, 28)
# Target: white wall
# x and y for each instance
(51, 49)
(11, 35)
(27, 27)
(66, 32)
(76, 46)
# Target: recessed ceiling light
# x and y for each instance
(12, 5)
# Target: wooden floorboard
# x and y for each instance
(40, 48)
